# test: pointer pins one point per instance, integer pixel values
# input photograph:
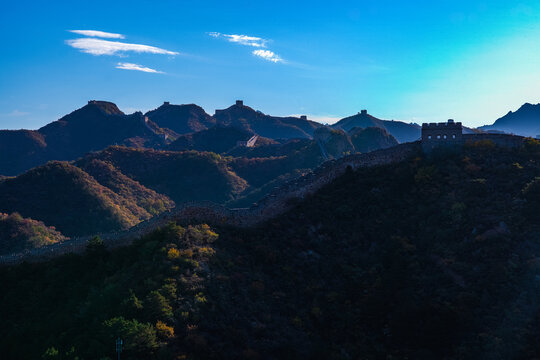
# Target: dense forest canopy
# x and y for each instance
(434, 257)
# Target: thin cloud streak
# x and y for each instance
(97, 33)
(137, 67)
(267, 55)
(17, 113)
(246, 40)
(105, 47)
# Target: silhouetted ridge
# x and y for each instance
(525, 121)
(403, 132)
(273, 127)
(96, 126)
(107, 107)
(182, 119)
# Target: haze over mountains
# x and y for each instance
(525, 121)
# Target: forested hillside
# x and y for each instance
(431, 258)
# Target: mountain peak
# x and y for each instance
(525, 121)
(529, 106)
(107, 107)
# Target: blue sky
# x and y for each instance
(406, 60)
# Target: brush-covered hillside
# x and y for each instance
(182, 176)
(75, 203)
(431, 258)
(18, 234)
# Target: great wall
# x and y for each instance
(277, 202)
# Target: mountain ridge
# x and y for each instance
(525, 121)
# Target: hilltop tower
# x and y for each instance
(441, 134)
(239, 102)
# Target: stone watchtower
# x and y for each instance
(441, 134)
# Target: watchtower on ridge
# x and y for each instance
(449, 133)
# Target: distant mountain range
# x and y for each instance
(525, 121)
(100, 170)
(100, 124)
(118, 187)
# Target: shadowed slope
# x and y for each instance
(183, 176)
(66, 197)
(182, 119)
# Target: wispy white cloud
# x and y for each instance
(16, 113)
(137, 67)
(97, 33)
(268, 55)
(253, 41)
(106, 47)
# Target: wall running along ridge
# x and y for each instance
(274, 204)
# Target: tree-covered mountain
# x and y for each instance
(182, 119)
(273, 127)
(430, 258)
(403, 132)
(334, 143)
(218, 139)
(90, 128)
(371, 139)
(21, 150)
(100, 124)
(525, 121)
(66, 197)
(18, 234)
(96, 126)
(182, 176)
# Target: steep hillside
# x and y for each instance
(18, 234)
(525, 121)
(271, 149)
(64, 196)
(272, 127)
(94, 127)
(182, 176)
(140, 200)
(20, 150)
(182, 119)
(403, 132)
(371, 138)
(430, 258)
(217, 139)
(91, 128)
(334, 143)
